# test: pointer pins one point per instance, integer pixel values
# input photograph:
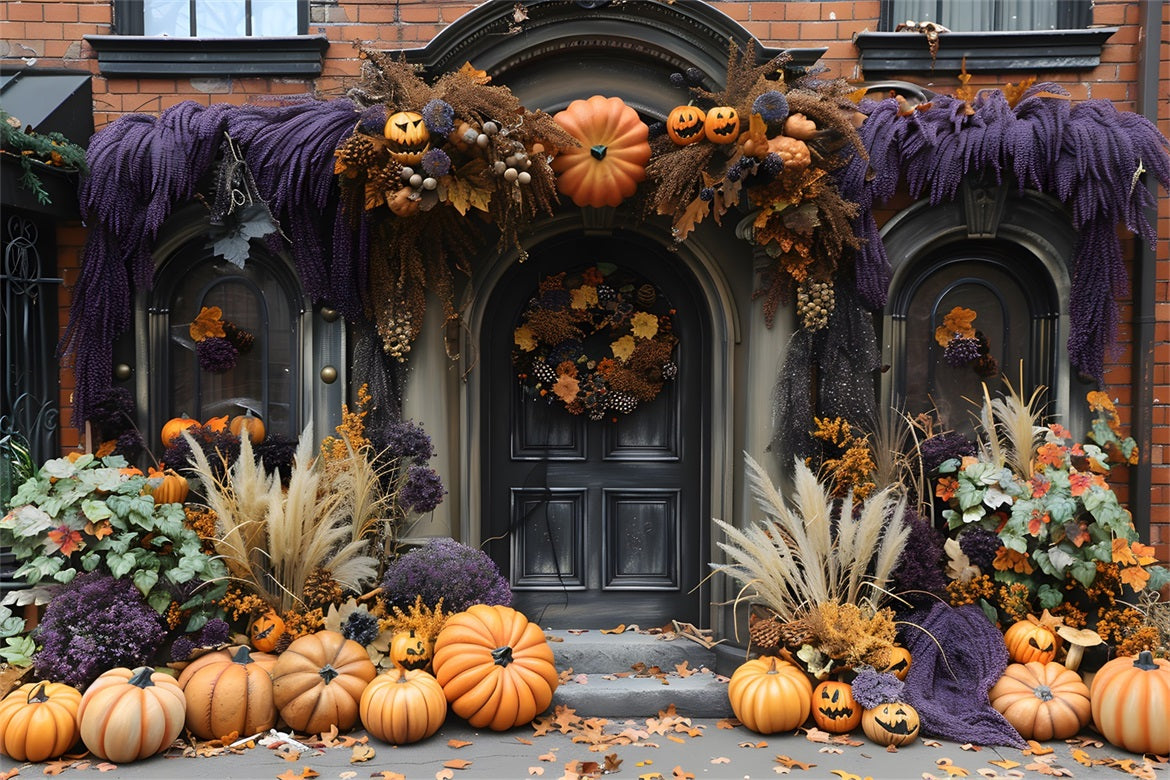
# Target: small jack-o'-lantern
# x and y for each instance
(1029, 640)
(834, 709)
(721, 125)
(895, 723)
(411, 650)
(899, 663)
(684, 125)
(408, 136)
(267, 631)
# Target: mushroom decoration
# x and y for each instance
(1078, 639)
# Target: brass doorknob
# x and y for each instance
(328, 375)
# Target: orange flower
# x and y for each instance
(957, 322)
(1144, 553)
(1100, 401)
(1078, 483)
(106, 448)
(1051, 454)
(1038, 521)
(66, 540)
(946, 488)
(99, 529)
(592, 276)
(567, 389)
(1010, 560)
(1059, 430)
(1135, 577)
(1039, 484)
(1122, 553)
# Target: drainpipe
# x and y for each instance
(1141, 480)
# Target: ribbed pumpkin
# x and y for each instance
(770, 695)
(318, 681)
(167, 486)
(173, 428)
(251, 425)
(38, 721)
(684, 124)
(230, 696)
(265, 660)
(1028, 640)
(834, 708)
(497, 669)
(894, 723)
(611, 160)
(1131, 703)
(409, 650)
(403, 706)
(1042, 701)
(128, 714)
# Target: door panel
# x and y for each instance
(598, 522)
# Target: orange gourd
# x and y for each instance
(408, 650)
(38, 721)
(894, 723)
(247, 423)
(611, 160)
(800, 126)
(266, 631)
(128, 714)
(833, 707)
(318, 681)
(230, 696)
(497, 669)
(403, 706)
(721, 125)
(264, 660)
(769, 695)
(167, 486)
(899, 665)
(1131, 699)
(1042, 701)
(1028, 640)
(684, 125)
(173, 428)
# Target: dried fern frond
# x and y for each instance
(1013, 427)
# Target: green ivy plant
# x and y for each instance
(86, 513)
(52, 150)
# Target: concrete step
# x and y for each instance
(593, 652)
(701, 695)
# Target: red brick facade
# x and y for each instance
(51, 31)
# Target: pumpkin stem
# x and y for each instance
(328, 673)
(1145, 661)
(502, 655)
(38, 695)
(141, 677)
(1043, 692)
(243, 655)
(771, 665)
(598, 151)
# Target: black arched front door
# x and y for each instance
(603, 521)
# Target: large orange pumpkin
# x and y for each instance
(173, 428)
(611, 160)
(38, 721)
(1028, 640)
(167, 486)
(403, 706)
(497, 669)
(318, 681)
(265, 660)
(833, 707)
(128, 714)
(769, 695)
(1131, 703)
(1042, 701)
(250, 424)
(230, 696)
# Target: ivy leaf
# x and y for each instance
(26, 521)
(1049, 597)
(18, 650)
(144, 580)
(1084, 572)
(231, 240)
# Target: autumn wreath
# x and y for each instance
(598, 341)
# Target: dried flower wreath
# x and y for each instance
(963, 345)
(218, 342)
(599, 342)
(424, 156)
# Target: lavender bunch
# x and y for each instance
(445, 569)
(873, 688)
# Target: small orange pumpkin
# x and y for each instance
(769, 695)
(167, 486)
(833, 707)
(1131, 697)
(894, 723)
(38, 721)
(404, 706)
(1042, 701)
(128, 714)
(684, 125)
(721, 126)
(611, 160)
(800, 127)
(1029, 640)
(408, 136)
(250, 424)
(402, 203)
(408, 650)
(318, 681)
(899, 665)
(266, 631)
(173, 428)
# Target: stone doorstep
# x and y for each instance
(593, 652)
(701, 695)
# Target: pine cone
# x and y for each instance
(814, 302)
(796, 633)
(764, 632)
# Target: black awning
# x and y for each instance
(50, 101)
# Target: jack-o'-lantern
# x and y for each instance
(894, 723)
(267, 631)
(834, 708)
(684, 125)
(411, 650)
(899, 663)
(408, 136)
(721, 126)
(1030, 640)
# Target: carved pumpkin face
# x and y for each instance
(895, 723)
(1027, 640)
(408, 136)
(722, 125)
(684, 125)
(267, 631)
(834, 709)
(410, 650)
(899, 663)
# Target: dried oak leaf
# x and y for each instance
(208, 323)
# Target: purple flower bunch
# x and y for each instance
(872, 688)
(217, 355)
(405, 440)
(445, 569)
(937, 450)
(961, 350)
(980, 545)
(921, 567)
(93, 624)
(423, 489)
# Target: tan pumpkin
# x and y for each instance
(833, 707)
(173, 428)
(770, 695)
(721, 125)
(497, 669)
(894, 723)
(899, 665)
(1131, 700)
(233, 696)
(684, 124)
(403, 706)
(167, 486)
(265, 660)
(1042, 701)
(266, 631)
(611, 160)
(1029, 640)
(318, 681)
(38, 721)
(409, 650)
(128, 714)
(250, 424)
(408, 136)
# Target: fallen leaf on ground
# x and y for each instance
(460, 743)
(612, 763)
(753, 744)
(728, 723)
(1085, 742)
(361, 753)
(814, 734)
(57, 767)
(1048, 769)
(305, 772)
(348, 775)
(991, 774)
(457, 763)
(547, 757)
(792, 763)
(891, 748)
(673, 738)
(647, 762)
(1084, 759)
(971, 747)
(1005, 763)
(388, 775)
(535, 770)
(444, 774)
(948, 766)
(931, 743)
(1036, 749)
(721, 760)
(578, 631)
(617, 630)
(832, 750)
(841, 773)
(684, 669)
(681, 774)
(105, 766)
(13, 772)
(523, 741)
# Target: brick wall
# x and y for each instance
(51, 32)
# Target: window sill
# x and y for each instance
(884, 54)
(137, 55)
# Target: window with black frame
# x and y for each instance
(212, 18)
(989, 15)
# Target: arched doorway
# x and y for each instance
(598, 521)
